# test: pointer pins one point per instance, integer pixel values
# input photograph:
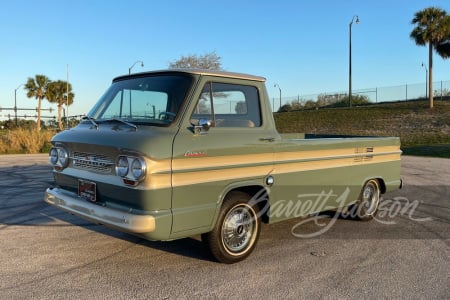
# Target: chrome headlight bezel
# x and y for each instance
(53, 156)
(63, 157)
(122, 166)
(59, 157)
(138, 168)
(132, 169)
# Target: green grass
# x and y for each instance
(440, 150)
(422, 131)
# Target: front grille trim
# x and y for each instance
(98, 163)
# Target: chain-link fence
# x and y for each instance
(406, 92)
(16, 114)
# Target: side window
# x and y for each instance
(231, 105)
(204, 106)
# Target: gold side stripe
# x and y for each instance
(183, 179)
(221, 161)
(282, 168)
(158, 181)
(195, 163)
(333, 153)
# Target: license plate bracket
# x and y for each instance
(87, 190)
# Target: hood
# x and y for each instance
(148, 140)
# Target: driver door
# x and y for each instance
(230, 148)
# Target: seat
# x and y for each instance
(234, 123)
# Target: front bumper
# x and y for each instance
(124, 221)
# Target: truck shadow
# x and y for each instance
(40, 214)
(22, 190)
(191, 247)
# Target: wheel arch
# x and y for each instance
(380, 181)
(258, 193)
(381, 184)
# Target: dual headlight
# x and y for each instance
(59, 157)
(131, 167)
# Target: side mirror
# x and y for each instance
(202, 127)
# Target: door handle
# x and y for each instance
(267, 139)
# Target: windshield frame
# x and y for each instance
(176, 85)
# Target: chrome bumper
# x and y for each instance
(99, 214)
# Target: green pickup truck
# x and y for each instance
(176, 153)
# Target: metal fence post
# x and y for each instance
(406, 92)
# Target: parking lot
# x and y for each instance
(47, 253)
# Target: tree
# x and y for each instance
(443, 48)
(310, 104)
(57, 93)
(241, 108)
(209, 61)
(432, 28)
(285, 108)
(36, 87)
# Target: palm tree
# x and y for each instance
(432, 28)
(36, 87)
(57, 93)
(443, 49)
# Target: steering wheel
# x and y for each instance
(166, 115)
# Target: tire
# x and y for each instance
(367, 206)
(236, 231)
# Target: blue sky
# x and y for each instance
(300, 45)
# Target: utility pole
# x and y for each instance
(350, 61)
(67, 99)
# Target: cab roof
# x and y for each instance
(216, 73)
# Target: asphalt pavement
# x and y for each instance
(46, 253)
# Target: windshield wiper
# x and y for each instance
(122, 121)
(92, 120)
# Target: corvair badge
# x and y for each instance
(195, 153)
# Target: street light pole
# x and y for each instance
(129, 69)
(67, 99)
(15, 102)
(276, 85)
(350, 61)
(426, 80)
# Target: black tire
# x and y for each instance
(236, 231)
(367, 206)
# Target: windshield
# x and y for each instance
(155, 100)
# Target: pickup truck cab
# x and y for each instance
(175, 153)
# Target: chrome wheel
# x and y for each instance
(370, 199)
(238, 229)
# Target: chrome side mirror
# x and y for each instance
(203, 126)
